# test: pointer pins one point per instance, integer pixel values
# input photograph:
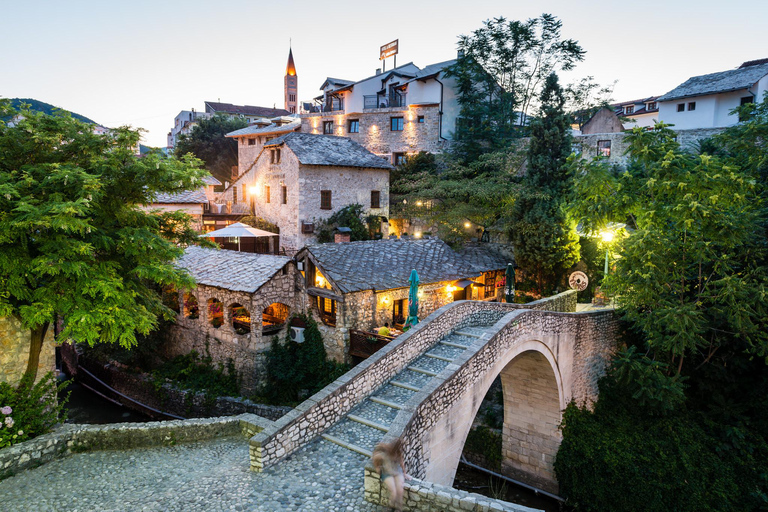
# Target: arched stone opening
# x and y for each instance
(171, 298)
(241, 319)
(274, 317)
(215, 313)
(191, 308)
(530, 435)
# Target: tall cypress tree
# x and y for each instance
(545, 245)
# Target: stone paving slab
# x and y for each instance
(356, 433)
(394, 394)
(445, 351)
(430, 363)
(413, 378)
(203, 476)
(376, 412)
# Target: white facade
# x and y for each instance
(710, 111)
(183, 124)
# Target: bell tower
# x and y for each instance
(291, 85)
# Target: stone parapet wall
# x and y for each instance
(328, 406)
(420, 495)
(14, 351)
(72, 438)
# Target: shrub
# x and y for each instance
(487, 443)
(30, 409)
(294, 369)
(190, 371)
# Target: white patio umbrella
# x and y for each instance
(238, 230)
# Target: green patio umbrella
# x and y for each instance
(413, 300)
(510, 278)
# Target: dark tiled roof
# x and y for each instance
(210, 180)
(725, 81)
(249, 110)
(232, 270)
(266, 130)
(185, 197)
(312, 149)
(753, 63)
(484, 258)
(387, 264)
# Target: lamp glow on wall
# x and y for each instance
(252, 190)
(607, 237)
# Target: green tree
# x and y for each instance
(351, 217)
(585, 97)
(207, 142)
(545, 243)
(75, 243)
(500, 71)
(692, 273)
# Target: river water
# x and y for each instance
(87, 407)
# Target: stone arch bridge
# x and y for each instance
(427, 386)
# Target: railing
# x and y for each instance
(395, 100)
(365, 344)
(333, 106)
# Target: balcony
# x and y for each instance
(396, 100)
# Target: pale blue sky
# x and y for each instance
(140, 62)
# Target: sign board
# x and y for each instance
(389, 50)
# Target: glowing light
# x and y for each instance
(450, 288)
(417, 234)
(607, 236)
(253, 190)
(419, 203)
(467, 225)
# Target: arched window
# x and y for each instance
(241, 318)
(191, 309)
(274, 317)
(215, 313)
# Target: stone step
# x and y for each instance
(454, 345)
(386, 403)
(468, 334)
(440, 358)
(422, 370)
(415, 379)
(403, 385)
(430, 364)
(376, 413)
(394, 394)
(446, 351)
(357, 433)
(348, 446)
(367, 422)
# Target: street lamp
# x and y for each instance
(607, 238)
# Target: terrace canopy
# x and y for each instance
(239, 230)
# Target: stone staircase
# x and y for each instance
(365, 425)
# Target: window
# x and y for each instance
(274, 156)
(375, 199)
(396, 124)
(244, 193)
(285, 194)
(251, 141)
(234, 195)
(291, 97)
(490, 285)
(604, 148)
(629, 110)
(651, 105)
(325, 199)
(266, 193)
(746, 100)
(327, 309)
(398, 312)
(399, 158)
(328, 127)
(354, 126)
(691, 105)
(681, 107)
(420, 119)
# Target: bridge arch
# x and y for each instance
(534, 397)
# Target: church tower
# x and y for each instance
(291, 85)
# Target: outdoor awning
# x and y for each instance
(238, 230)
(463, 283)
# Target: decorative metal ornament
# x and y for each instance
(578, 281)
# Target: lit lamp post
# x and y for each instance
(607, 238)
(252, 193)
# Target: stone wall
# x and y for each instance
(160, 401)
(375, 134)
(72, 438)
(619, 144)
(329, 405)
(245, 350)
(14, 351)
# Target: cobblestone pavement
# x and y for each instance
(204, 476)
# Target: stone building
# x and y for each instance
(299, 179)
(392, 114)
(362, 285)
(240, 302)
(14, 351)
(251, 140)
(196, 202)
(492, 261)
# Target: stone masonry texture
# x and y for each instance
(14, 351)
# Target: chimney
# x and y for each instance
(342, 235)
(460, 54)
(378, 71)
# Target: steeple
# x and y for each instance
(291, 84)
